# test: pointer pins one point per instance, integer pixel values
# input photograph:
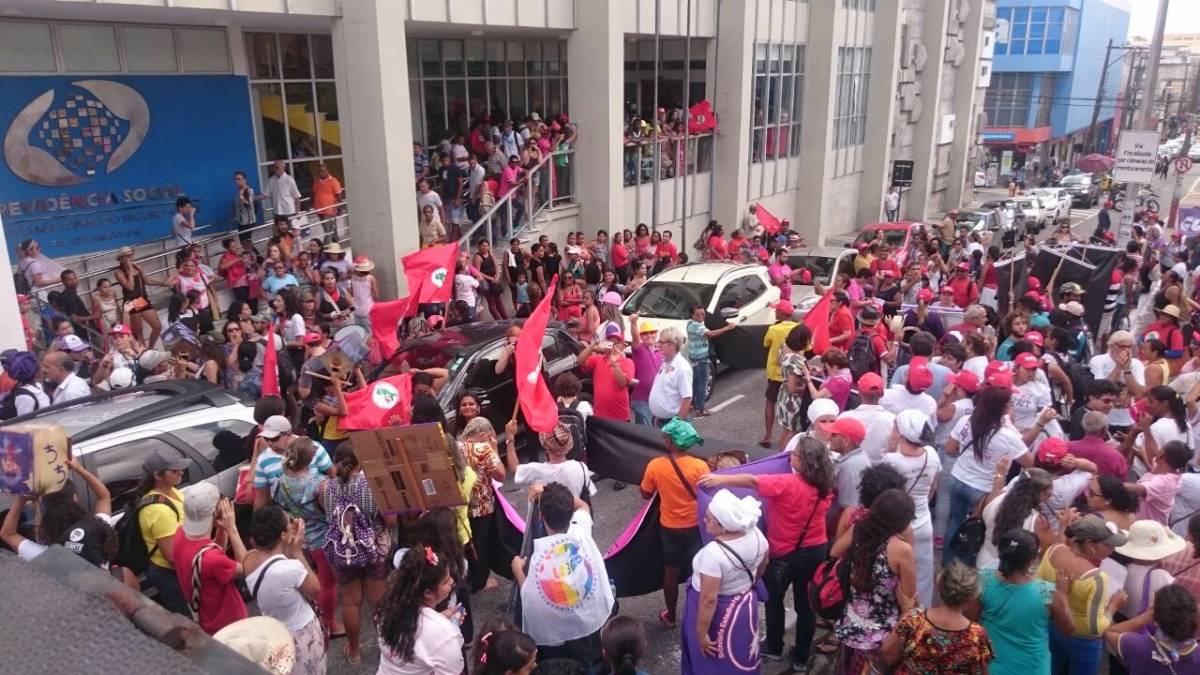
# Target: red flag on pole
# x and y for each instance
(817, 321)
(382, 403)
(767, 219)
(541, 411)
(386, 316)
(701, 119)
(431, 270)
(270, 375)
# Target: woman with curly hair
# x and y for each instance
(1020, 506)
(796, 504)
(883, 580)
(414, 638)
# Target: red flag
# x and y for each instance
(817, 321)
(270, 375)
(431, 270)
(701, 119)
(767, 219)
(541, 411)
(380, 404)
(386, 316)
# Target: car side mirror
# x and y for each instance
(728, 312)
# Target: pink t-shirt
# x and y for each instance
(781, 274)
(1160, 495)
(508, 180)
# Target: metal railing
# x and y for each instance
(639, 158)
(551, 182)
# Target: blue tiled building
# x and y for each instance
(1049, 56)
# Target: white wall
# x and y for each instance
(559, 14)
(639, 203)
(12, 335)
(639, 15)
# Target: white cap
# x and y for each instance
(275, 426)
(199, 504)
(120, 378)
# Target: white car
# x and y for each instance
(727, 291)
(824, 262)
(1036, 217)
(1057, 201)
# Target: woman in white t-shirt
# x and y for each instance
(958, 400)
(465, 289)
(919, 463)
(414, 638)
(284, 585)
(979, 442)
(1018, 505)
(720, 617)
(1168, 411)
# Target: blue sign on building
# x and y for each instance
(997, 136)
(95, 163)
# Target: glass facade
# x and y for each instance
(454, 82)
(778, 101)
(295, 104)
(1038, 30)
(1008, 99)
(853, 82)
(76, 48)
(671, 75)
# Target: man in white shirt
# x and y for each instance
(59, 368)
(183, 222)
(912, 396)
(750, 225)
(566, 597)
(1118, 365)
(671, 393)
(877, 421)
(282, 191)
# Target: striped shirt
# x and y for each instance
(269, 468)
(1114, 290)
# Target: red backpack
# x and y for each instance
(829, 589)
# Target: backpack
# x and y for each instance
(828, 590)
(1081, 380)
(21, 284)
(862, 356)
(131, 548)
(575, 421)
(351, 541)
(8, 408)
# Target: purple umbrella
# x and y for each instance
(1094, 163)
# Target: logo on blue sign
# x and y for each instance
(93, 128)
(998, 136)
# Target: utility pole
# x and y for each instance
(1099, 95)
(1125, 232)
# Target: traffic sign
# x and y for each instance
(902, 172)
(1136, 156)
(1183, 165)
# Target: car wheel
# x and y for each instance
(711, 386)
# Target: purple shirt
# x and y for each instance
(646, 362)
(1107, 459)
(1137, 653)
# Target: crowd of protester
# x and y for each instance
(989, 491)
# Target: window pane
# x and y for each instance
(303, 172)
(435, 112)
(499, 99)
(1001, 48)
(456, 105)
(1056, 13)
(477, 98)
(1020, 14)
(294, 53)
(301, 120)
(1053, 46)
(516, 58)
(1034, 47)
(475, 63)
(410, 47)
(537, 97)
(554, 96)
(1004, 13)
(260, 52)
(200, 438)
(495, 58)
(773, 103)
(89, 49)
(27, 47)
(331, 129)
(322, 56)
(1037, 31)
(1037, 14)
(516, 99)
(149, 50)
(533, 57)
(267, 100)
(431, 57)
(120, 467)
(452, 57)
(552, 58)
(204, 51)
(418, 122)
(1017, 47)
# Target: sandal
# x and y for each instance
(346, 654)
(764, 444)
(663, 619)
(828, 646)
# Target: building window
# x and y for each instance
(295, 104)
(1008, 99)
(455, 82)
(853, 81)
(78, 48)
(778, 101)
(1035, 31)
(859, 5)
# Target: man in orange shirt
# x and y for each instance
(326, 191)
(841, 321)
(675, 477)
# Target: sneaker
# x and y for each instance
(767, 655)
(618, 485)
(799, 667)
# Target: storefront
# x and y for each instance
(1011, 151)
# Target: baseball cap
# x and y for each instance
(870, 382)
(947, 290)
(1000, 378)
(1035, 338)
(120, 329)
(889, 274)
(1095, 529)
(73, 343)
(965, 267)
(924, 295)
(152, 358)
(784, 307)
(1051, 451)
(869, 316)
(1025, 360)
(275, 426)
(646, 327)
(611, 298)
(845, 426)
(614, 331)
(312, 338)
(1070, 287)
(920, 377)
(199, 505)
(120, 378)
(965, 380)
(163, 460)
(914, 426)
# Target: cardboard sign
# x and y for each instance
(408, 468)
(33, 459)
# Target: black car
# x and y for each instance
(1083, 190)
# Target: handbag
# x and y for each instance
(969, 538)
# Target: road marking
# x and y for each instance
(725, 404)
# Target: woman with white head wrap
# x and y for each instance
(820, 410)
(720, 617)
(912, 455)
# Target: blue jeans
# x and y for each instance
(167, 584)
(641, 413)
(700, 384)
(963, 499)
(1074, 655)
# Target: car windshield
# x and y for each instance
(74, 419)
(894, 237)
(821, 266)
(427, 355)
(668, 299)
(1072, 180)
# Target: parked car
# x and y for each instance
(1057, 201)
(1194, 152)
(111, 433)
(1012, 220)
(1083, 190)
(980, 179)
(978, 220)
(898, 235)
(1036, 217)
(824, 262)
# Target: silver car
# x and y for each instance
(1057, 202)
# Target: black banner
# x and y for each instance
(1089, 266)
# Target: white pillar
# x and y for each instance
(596, 61)
(968, 99)
(816, 137)
(733, 102)
(881, 116)
(12, 335)
(371, 66)
(917, 202)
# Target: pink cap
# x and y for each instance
(784, 307)
(924, 295)
(1035, 338)
(965, 380)
(1026, 360)
(845, 426)
(870, 382)
(1052, 451)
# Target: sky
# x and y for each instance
(1183, 16)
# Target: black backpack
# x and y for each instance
(576, 422)
(131, 548)
(862, 356)
(21, 284)
(8, 408)
(1081, 380)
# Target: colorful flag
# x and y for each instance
(386, 316)
(382, 403)
(541, 411)
(431, 270)
(767, 219)
(817, 321)
(701, 119)
(270, 375)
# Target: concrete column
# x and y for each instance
(12, 335)
(925, 137)
(733, 102)
(596, 58)
(816, 137)
(881, 111)
(372, 88)
(968, 100)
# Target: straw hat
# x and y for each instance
(1150, 540)
(263, 640)
(363, 264)
(333, 247)
(1170, 310)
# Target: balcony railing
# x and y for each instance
(639, 158)
(549, 183)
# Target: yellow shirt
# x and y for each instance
(773, 340)
(1087, 597)
(460, 512)
(863, 262)
(157, 521)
